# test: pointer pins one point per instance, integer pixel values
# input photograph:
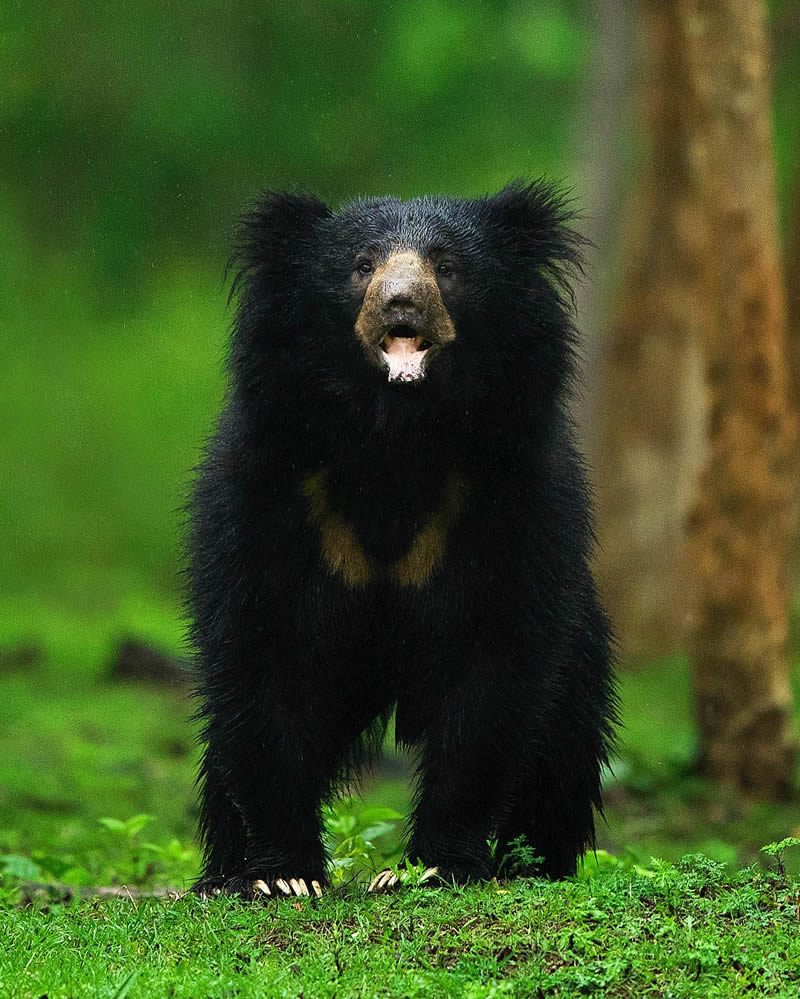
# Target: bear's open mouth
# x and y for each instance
(403, 351)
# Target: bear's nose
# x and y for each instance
(403, 293)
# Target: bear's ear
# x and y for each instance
(273, 233)
(534, 222)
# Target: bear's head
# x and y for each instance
(438, 299)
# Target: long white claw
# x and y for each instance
(284, 887)
(388, 878)
(298, 886)
(317, 888)
(377, 882)
(261, 886)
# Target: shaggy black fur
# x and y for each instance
(499, 663)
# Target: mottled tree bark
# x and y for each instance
(647, 444)
(793, 291)
(741, 526)
(602, 156)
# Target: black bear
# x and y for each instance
(392, 516)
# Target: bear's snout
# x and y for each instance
(403, 316)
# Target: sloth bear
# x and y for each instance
(392, 516)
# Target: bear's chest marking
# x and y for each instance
(345, 556)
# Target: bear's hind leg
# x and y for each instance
(553, 813)
(468, 737)
(559, 789)
(554, 803)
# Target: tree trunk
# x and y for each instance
(602, 156)
(741, 526)
(793, 291)
(648, 446)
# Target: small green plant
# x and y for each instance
(777, 850)
(414, 874)
(19, 868)
(62, 867)
(43, 866)
(12, 870)
(600, 862)
(129, 828)
(351, 833)
(520, 859)
(134, 866)
(9, 895)
(138, 863)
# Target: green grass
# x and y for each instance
(686, 931)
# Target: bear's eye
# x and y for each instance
(364, 265)
(445, 269)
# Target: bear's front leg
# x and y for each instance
(263, 778)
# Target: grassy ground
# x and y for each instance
(686, 931)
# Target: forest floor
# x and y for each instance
(691, 930)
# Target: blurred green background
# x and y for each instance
(130, 137)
